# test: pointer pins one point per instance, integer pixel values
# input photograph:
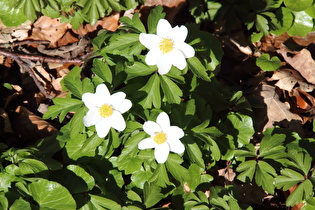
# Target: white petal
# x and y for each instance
(164, 64)
(117, 121)
(102, 127)
(161, 152)
(150, 41)
(179, 34)
(102, 91)
(152, 57)
(116, 99)
(163, 120)
(164, 28)
(90, 100)
(186, 49)
(147, 143)
(176, 146)
(91, 117)
(151, 127)
(174, 132)
(179, 59)
(124, 106)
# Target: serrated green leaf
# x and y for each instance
(285, 18)
(265, 63)
(243, 125)
(264, 176)
(247, 170)
(160, 176)
(271, 146)
(193, 151)
(300, 160)
(152, 90)
(49, 194)
(288, 178)
(6, 180)
(139, 69)
(30, 166)
(171, 91)
(82, 146)
(173, 166)
(133, 24)
(303, 192)
(152, 194)
(4, 204)
(155, 15)
(262, 24)
(139, 177)
(197, 68)
(102, 70)
(72, 81)
(62, 106)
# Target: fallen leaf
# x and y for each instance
(31, 126)
(302, 62)
(10, 34)
(46, 28)
(289, 78)
(274, 111)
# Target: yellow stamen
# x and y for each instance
(160, 138)
(166, 45)
(106, 111)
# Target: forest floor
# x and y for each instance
(40, 54)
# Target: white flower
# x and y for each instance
(163, 137)
(167, 47)
(105, 110)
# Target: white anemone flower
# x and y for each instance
(167, 47)
(163, 138)
(105, 110)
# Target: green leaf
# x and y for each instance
(302, 25)
(19, 204)
(152, 194)
(6, 180)
(160, 176)
(152, 90)
(62, 106)
(139, 69)
(4, 204)
(139, 177)
(300, 160)
(197, 68)
(133, 24)
(82, 146)
(102, 70)
(193, 151)
(173, 166)
(288, 178)
(52, 195)
(13, 16)
(285, 18)
(72, 81)
(243, 125)
(264, 176)
(155, 15)
(197, 177)
(265, 63)
(302, 4)
(262, 24)
(85, 176)
(247, 170)
(303, 192)
(102, 203)
(171, 91)
(271, 145)
(94, 9)
(30, 166)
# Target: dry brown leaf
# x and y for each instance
(46, 28)
(289, 78)
(302, 62)
(66, 39)
(109, 23)
(227, 173)
(10, 34)
(274, 112)
(31, 126)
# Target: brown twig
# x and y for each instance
(41, 58)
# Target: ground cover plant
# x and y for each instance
(197, 104)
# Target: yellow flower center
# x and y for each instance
(160, 138)
(106, 110)
(166, 45)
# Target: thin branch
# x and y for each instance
(41, 58)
